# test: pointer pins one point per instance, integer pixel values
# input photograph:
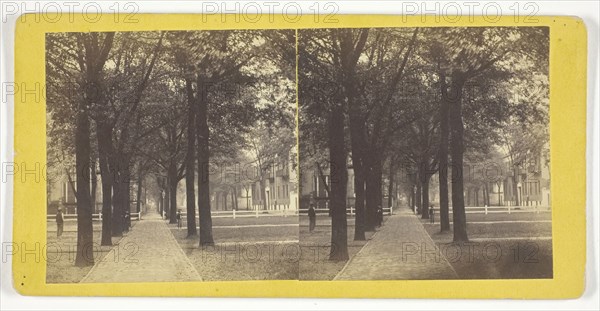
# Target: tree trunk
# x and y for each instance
(263, 192)
(391, 174)
(515, 178)
(126, 192)
(359, 205)
(338, 184)
(443, 157)
(138, 196)
(486, 194)
(374, 190)
(94, 186)
(357, 144)
(173, 181)
(167, 200)
(117, 213)
(424, 180)
(105, 150)
(206, 237)
(85, 231)
(456, 150)
(234, 199)
(190, 161)
(120, 195)
(418, 195)
(425, 195)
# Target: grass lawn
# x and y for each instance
(246, 253)
(501, 250)
(60, 253)
(244, 221)
(314, 260)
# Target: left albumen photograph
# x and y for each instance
(171, 156)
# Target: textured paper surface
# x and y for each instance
(568, 51)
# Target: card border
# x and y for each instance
(568, 78)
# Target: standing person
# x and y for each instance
(60, 220)
(312, 218)
(379, 216)
(179, 219)
(431, 215)
(127, 221)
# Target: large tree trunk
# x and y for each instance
(206, 237)
(121, 195)
(94, 186)
(374, 190)
(359, 204)
(357, 144)
(85, 242)
(443, 157)
(105, 150)
(456, 150)
(117, 213)
(190, 161)
(338, 183)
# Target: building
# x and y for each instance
(278, 188)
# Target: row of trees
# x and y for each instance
(159, 107)
(421, 99)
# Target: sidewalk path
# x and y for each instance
(401, 250)
(149, 253)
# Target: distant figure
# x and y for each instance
(60, 220)
(379, 216)
(127, 221)
(431, 215)
(179, 219)
(312, 218)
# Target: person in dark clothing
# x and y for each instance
(179, 219)
(431, 215)
(312, 218)
(127, 221)
(60, 220)
(379, 216)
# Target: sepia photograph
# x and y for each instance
(171, 156)
(424, 153)
(409, 153)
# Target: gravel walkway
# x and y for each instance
(149, 253)
(401, 250)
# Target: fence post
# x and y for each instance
(486, 211)
(257, 212)
(100, 216)
(391, 209)
(234, 214)
(509, 209)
